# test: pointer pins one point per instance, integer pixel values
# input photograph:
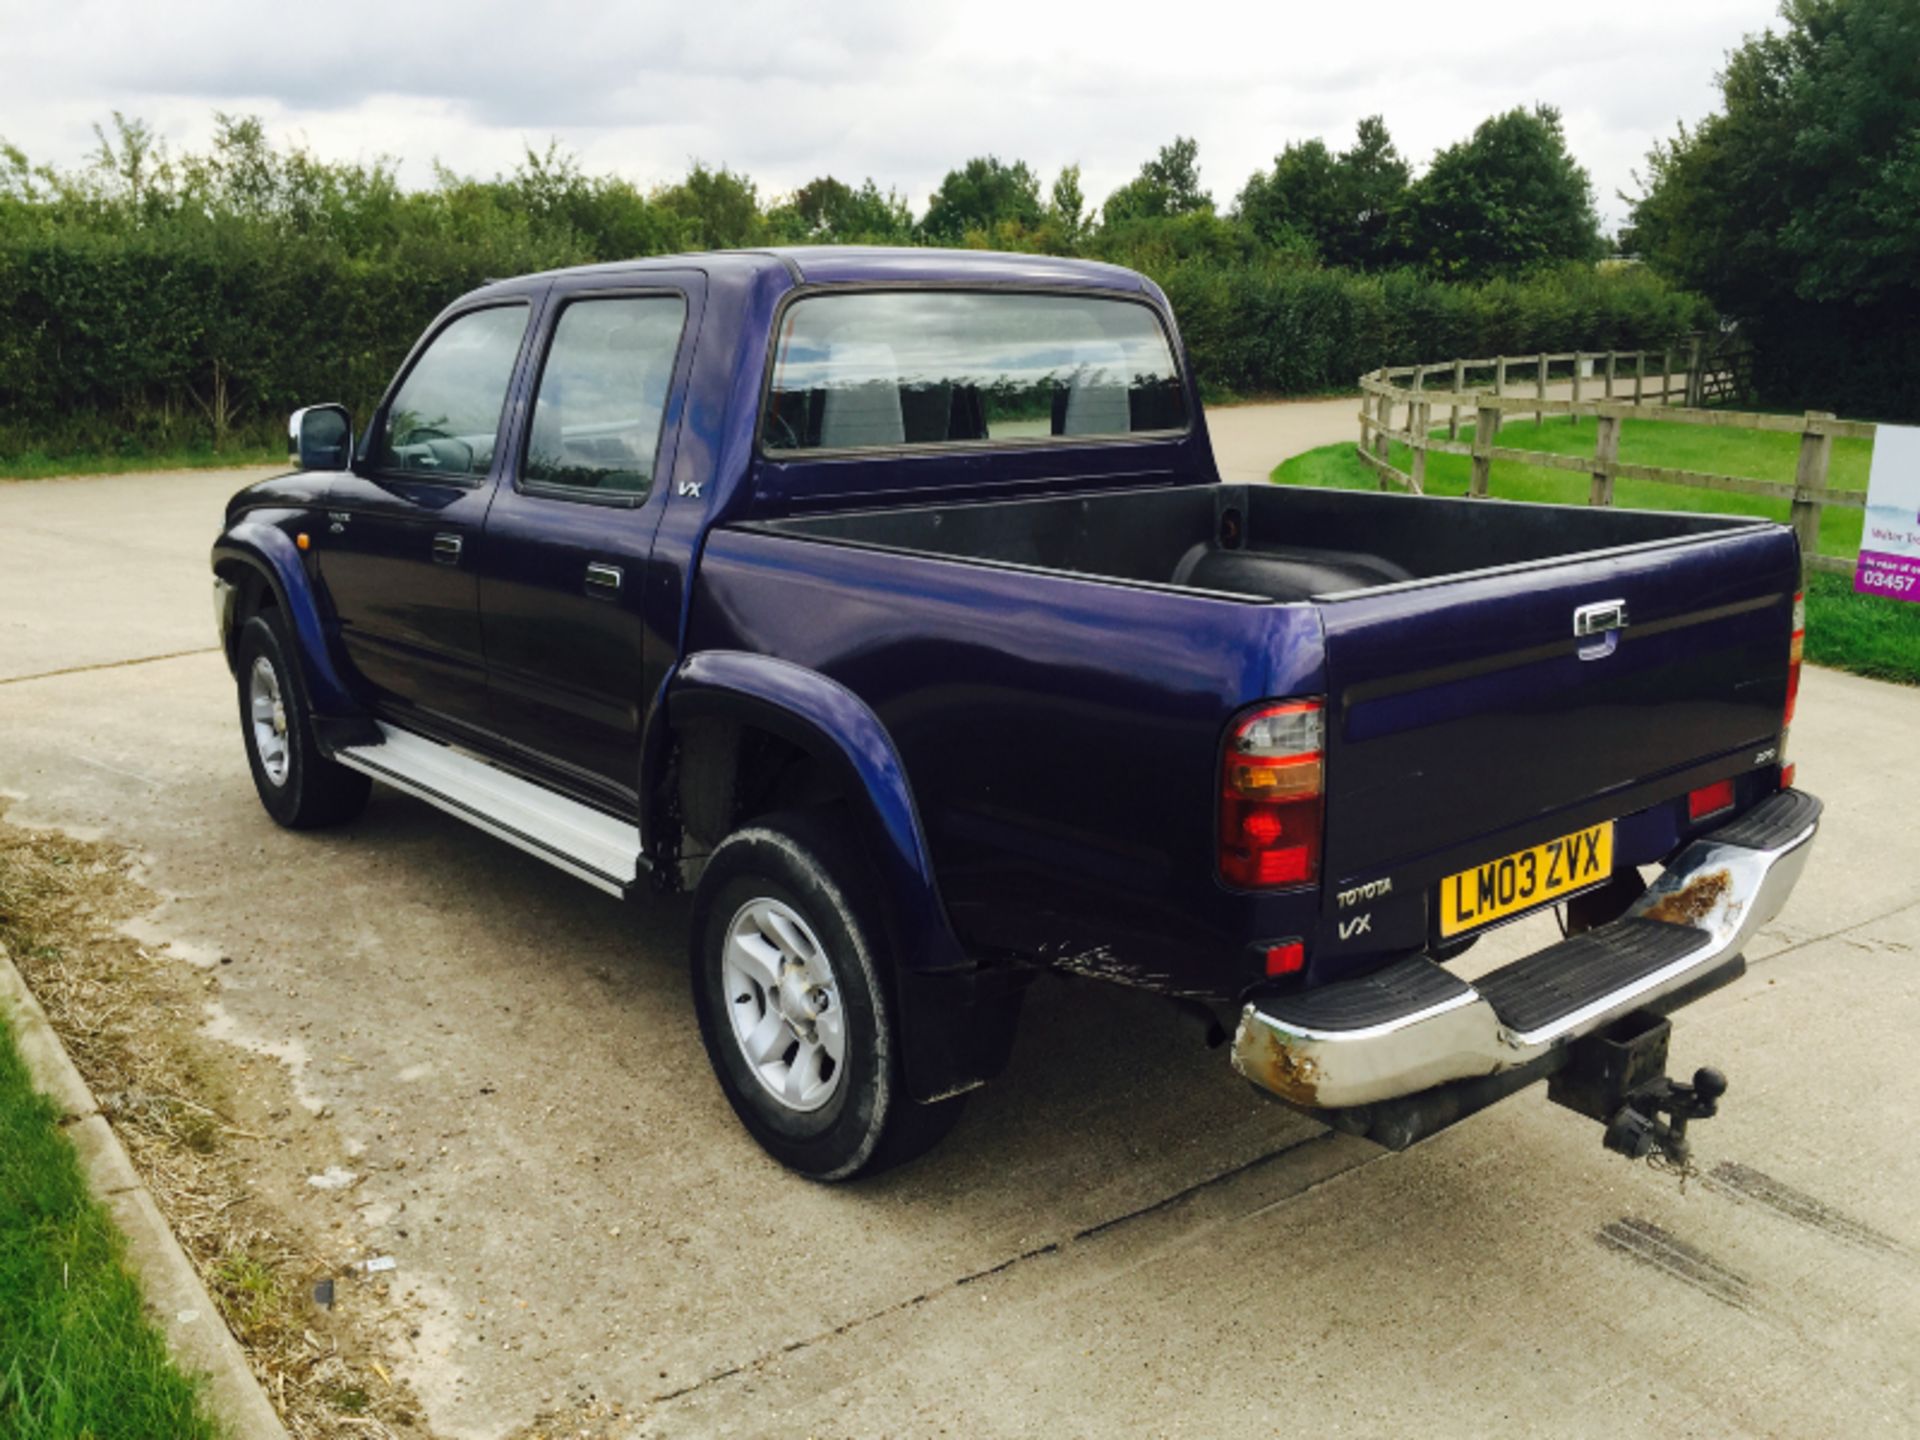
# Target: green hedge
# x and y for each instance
(126, 340)
(1300, 330)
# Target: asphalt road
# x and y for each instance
(1121, 1237)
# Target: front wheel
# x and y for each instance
(792, 1004)
(299, 787)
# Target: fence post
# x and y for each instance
(1694, 396)
(1486, 423)
(1579, 364)
(1809, 479)
(1499, 388)
(1606, 451)
(1383, 422)
(1453, 411)
(1540, 390)
(1417, 427)
(1666, 374)
(1612, 356)
(1639, 376)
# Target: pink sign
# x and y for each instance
(1890, 543)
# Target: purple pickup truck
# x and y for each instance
(889, 602)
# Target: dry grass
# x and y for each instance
(131, 1020)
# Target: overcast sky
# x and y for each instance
(887, 88)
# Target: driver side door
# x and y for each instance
(399, 553)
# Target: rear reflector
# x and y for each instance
(1270, 797)
(1289, 957)
(1710, 800)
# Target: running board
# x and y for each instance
(586, 843)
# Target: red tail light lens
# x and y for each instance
(1270, 797)
(1794, 649)
(1710, 800)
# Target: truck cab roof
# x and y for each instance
(861, 265)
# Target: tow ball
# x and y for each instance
(1618, 1077)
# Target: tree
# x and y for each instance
(1067, 206)
(1808, 184)
(1509, 199)
(827, 211)
(1796, 209)
(131, 162)
(1375, 178)
(1167, 185)
(716, 209)
(1302, 198)
(1345, 205)
(979, 196)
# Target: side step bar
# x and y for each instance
(586, 843)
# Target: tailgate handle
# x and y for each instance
(1604, 618)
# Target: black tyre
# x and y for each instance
(788, 982)
(300, 787)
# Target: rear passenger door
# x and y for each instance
(562, 581)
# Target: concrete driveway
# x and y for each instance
(1121, 1238)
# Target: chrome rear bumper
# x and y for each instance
(1414, 1025)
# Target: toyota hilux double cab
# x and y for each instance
(889, 602)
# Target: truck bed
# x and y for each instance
(1256, 542)
(1464, 721)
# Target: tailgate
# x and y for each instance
(1462, 709)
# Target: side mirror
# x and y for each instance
(320, 437)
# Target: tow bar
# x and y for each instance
(1618, 1077)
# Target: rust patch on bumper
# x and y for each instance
(1694, 901)
(1294, 1078)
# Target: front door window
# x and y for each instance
(446, 414)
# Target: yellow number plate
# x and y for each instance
(1524, 879)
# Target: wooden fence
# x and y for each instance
(1625, 390)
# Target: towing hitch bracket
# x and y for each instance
(1618, 1077)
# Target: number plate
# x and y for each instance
(1504, 887)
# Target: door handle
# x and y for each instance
(446, 549)
(604, 580)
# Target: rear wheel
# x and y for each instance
(793, 1007)
(299, 787)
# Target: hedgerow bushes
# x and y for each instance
(1282, 330)
(151, 303)
(151, 341)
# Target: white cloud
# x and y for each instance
(858, 87)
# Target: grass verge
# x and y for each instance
(37, 465)
(1862, 633)
(78, 1356)
(217, 1138)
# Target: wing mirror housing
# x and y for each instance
(320, 437)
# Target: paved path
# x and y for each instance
(1249, 440)
(1120, 1239)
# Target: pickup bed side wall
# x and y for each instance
(1060, 737)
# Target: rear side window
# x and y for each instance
(886, 369)
(446, 414)
(603, 395)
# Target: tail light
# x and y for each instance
(1794, 649)
(1270, 797)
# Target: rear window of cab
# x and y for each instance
(893, 369)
